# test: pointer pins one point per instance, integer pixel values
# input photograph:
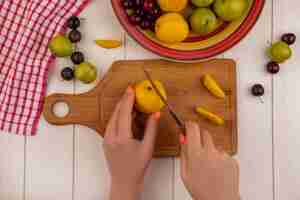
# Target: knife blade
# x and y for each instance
(174, 115)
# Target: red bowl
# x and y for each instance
(194, 47)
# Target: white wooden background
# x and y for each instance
(68, 163)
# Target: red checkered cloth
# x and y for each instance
(26, 27)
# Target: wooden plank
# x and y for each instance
(12, 166)
(160, 174)
(286, 106)
(255, 118)
(49, 155)
(91, 177)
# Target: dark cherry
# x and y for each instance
(77, 57)
(135, 19)
(156, 12)
(258, 90)
(128, 4)
(289, 38)
(138, 3)
(75, 36)
(140, 12)
(149, 17)
(73, 22)
(145, 24)
(273, 67)
(152, 27)
(148, 5)
(67, 74)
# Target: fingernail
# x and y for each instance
(182, 139)
(130, 90)
(157, 115)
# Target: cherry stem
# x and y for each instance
(261, 99)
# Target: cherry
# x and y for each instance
(258, 90)
(145, 24)
(75, 36)
(128, 4)
(273, 67)
(289, 38)
(148, 5)
(135, 19)
(77, 57)
(156, 12)
(73, 22)
(67, 74)
(140, 12)
(138, 3)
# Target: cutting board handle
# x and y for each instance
(83, 109)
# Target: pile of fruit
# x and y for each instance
(279, 52)
(63, 46)
(173, 20)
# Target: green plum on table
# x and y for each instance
(61, 46)
(86, 72)
(279, 52)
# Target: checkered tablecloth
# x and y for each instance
(26, 27)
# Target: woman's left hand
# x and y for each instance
(128, 158)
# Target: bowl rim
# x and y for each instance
(205, 53)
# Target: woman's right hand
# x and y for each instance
(207, 173)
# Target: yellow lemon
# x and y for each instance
(147, 100)
(171, 28)
(172, 5)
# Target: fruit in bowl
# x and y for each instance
(202, 3)
(230, 10)
(213, 25)
(172, 5)
(203, 21)
(171, 28)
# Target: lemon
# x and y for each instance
(171, 28)
(172, 5)
(147, 100)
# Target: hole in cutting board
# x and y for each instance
(61, 109)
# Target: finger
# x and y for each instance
(207, 140)
(182, 139)
(193, 138)
(125, 114)
(183, 161)
(151, 132)
(111, 129)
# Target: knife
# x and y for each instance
(174, 115)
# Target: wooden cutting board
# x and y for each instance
(185, 92)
